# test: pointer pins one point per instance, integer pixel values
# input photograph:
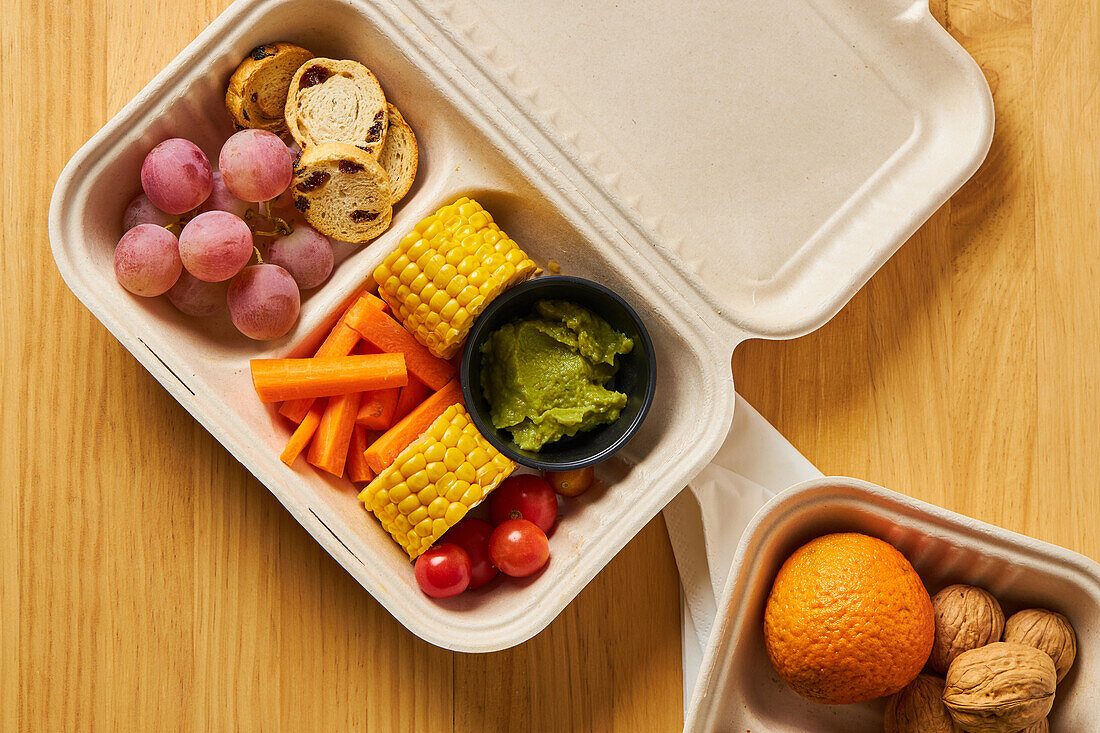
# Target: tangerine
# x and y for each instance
(848, 620)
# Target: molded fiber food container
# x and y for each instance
(738, 689)
(769, 160)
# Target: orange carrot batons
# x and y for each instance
(377, 408)
(358, 470)
(329, 449)
(384, 332)
(411, 395)
(341, 341)
(384, 450)
(302, 435)
(324, 376)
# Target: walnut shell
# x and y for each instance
(1041, 727)
(919, 708)
(1000, 688)
(1047, 631)
(966, 618)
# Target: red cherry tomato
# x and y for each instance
(472, 535)
(531, 496)
(519, 548)
(443, 571)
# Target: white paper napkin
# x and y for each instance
(706, 520)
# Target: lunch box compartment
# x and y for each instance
(738, 688)
(482, 136)
(204, 362)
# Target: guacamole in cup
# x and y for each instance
(545, 377)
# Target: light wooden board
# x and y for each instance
(149, 582)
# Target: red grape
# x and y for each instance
(305, 253)
(197, 297)
(147, 260)
(530, 496)
(256, 165)
(142, 211)
(263, 302)
(176, 176)
(215, 246)
(443, 571)
(222, 199)
(519, 548)
(472, 535)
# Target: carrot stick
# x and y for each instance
(385, 450)
(323, 376)
(376, 409)
(329, 448)
(411, 395)
(302, 435)
(392, 338)
(341, 341)
(358, 470)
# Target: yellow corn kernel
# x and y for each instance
(453, 264)
(435, 481)
(436, 471)
(455, 512)
(456, 490)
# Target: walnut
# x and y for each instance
(919, 708)
(966, 618)
(1041, 727)
(1000, 688)
(1047, 631)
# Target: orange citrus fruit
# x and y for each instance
(848, 620)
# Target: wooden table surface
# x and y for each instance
(149, 582)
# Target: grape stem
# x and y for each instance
(281, 226)
(259, 257)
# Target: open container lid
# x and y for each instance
(776, 154)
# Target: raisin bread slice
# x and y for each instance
(399, 154)
(333, 101)
(257, 91)
(343, 192)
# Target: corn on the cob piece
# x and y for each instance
(446, 271)
(435, 481)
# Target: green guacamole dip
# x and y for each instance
(544, 377)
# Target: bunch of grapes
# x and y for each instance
(206, 267)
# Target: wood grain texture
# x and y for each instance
(149, 582)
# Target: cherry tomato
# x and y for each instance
(519, 548)
(472, 535)
(443, 571)
(571, 483)
(527, 496)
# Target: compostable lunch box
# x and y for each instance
(738, 690)
(732, 170)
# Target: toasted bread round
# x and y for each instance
(343, 192)
(336, 102)
(399, 156)
(257, 91)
